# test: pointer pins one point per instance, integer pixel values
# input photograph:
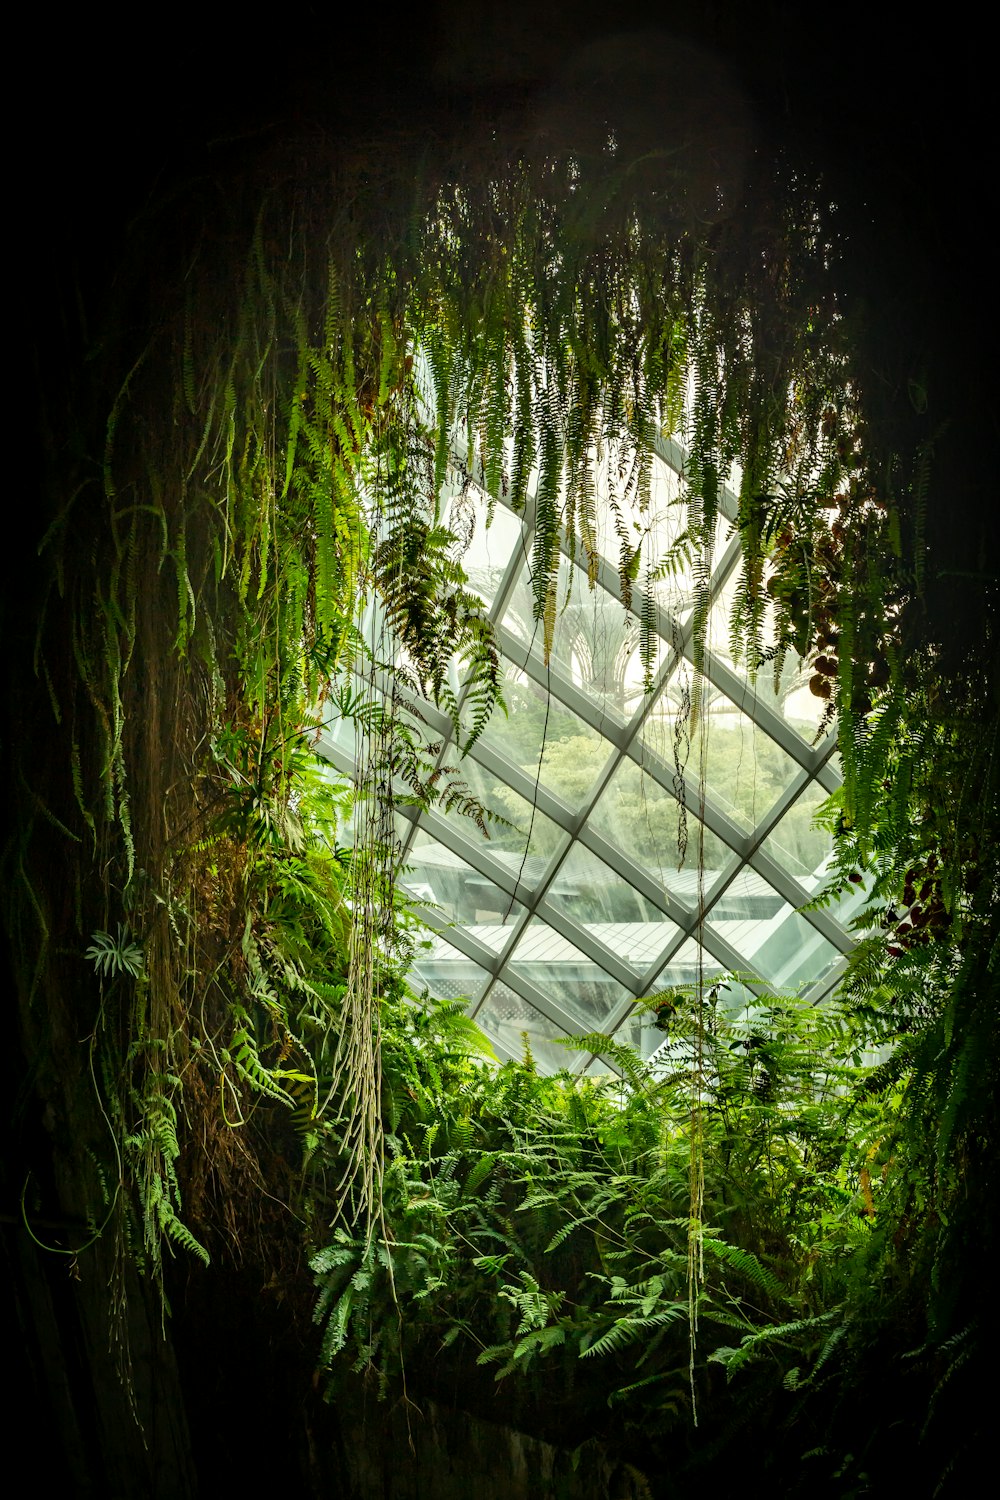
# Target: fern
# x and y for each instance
(751, 1347)
(629, 1330)
(747, 1264)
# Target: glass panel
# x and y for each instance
(796, 844)
(735, 999)
(599, 1069)
(555, 967)
(780, 946)
(794, 954)
(361, 820)
(845, 907)
(615, 515)
(440, 878)
(670, 558)
(836, 764)
(747, 898)
(638, 1030)
(790, 697)
(595, 896)
(649, 1027)
(682, 969)
(446, 972)
(340, 786)
(639, 815)
(745, 770)
(596, 643)
(484, 550)
(517, 1025)
(517, 834)
(351, 735)
(659, 533)
(343, 732)
(539, 727)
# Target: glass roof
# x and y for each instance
(577, 906)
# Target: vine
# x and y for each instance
(262, 451)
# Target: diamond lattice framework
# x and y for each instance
(578, 906)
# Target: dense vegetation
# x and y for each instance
(251, 449)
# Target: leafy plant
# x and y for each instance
(282, 401)
(112, 956)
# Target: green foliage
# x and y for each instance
(261, 479)
(112, 956)
(531, 1222)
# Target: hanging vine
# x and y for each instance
(276, 456)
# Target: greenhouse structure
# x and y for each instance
(556, 921)
(501, 890)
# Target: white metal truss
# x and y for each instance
(526, 965)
